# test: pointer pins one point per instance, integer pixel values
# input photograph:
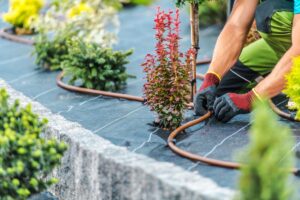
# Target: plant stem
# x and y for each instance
(194, 20)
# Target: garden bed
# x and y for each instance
(128, 124)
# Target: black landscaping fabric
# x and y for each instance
(126, 123)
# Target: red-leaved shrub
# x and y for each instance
(168, 88)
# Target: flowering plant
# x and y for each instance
(168, 77)
(293, 85)
(78, 9)
(23, 13)
(94, 20)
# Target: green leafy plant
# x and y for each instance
(168, 78)
(25, 158)
(96, 67)
(50, 53)
(269, 158)
(293, 85)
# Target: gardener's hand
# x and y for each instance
(231, 104)
(206, 96)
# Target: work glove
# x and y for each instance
(231, 104)
(206, 95)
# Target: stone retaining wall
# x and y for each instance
(95, 169)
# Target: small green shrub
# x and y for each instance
(25, 158)
(269, 158)
(96, 67)
(50, 53)
(293, 85)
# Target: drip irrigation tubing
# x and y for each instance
(60, 83)
(202, 159)
(4, 33)
(72, 88)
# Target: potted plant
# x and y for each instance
(25, 157)
(23, 14)
(167, 89)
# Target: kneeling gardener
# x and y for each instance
(234, 69)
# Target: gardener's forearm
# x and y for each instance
(233, 36)
(273, 84)
(227, 49)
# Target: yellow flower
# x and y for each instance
(78, 10)
(22, 13)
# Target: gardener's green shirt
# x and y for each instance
(297, 6)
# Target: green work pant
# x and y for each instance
(262, 55)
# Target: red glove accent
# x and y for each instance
(243, 101)
(209, 80)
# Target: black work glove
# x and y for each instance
(206, 96)
(229, 105)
